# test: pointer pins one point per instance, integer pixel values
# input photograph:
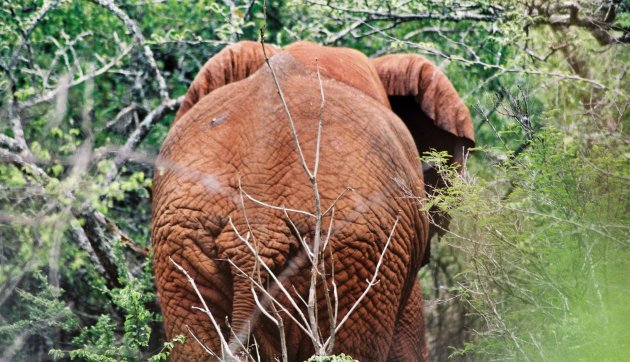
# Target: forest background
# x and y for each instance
(535, 265)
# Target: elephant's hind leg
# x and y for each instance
(409, 343)
(180, 301)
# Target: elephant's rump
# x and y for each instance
(235, 146)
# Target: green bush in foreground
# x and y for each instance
(545, 248)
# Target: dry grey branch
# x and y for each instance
(225, 350)
(65, 87)
(486, 65)
(168, 106)
(135, 30)
(370, 282)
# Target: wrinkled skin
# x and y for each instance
(232, 128)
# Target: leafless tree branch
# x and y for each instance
(600, 22)
(65, 87)
(483, 64)
(168, 106)
(135, 30)
(455, 15)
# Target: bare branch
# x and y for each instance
(321, 120)
(485, 65)
(205, 348)
(10, 143)
(135, 30)
(20, 162)
(302, 240)
(62, 53)
(455, 15)
(283, 337)
(286, 110)
(272, 299)
(371, 282)
(64, 87)
(279, 208)
(330, 208)
(167, 106)
(225, 350)
(270, 273)
(122, 114)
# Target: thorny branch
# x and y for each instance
(477, 62)
(457, 13)
(600, 21)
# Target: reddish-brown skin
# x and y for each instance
(232, 126)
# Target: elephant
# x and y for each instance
(229, 167)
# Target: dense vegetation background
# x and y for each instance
(535, 265)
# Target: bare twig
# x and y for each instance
(370, 282)
(279, 208)
(321, 120)
(455, 15)
(285, 106)
(135, 30)
(62, 53)
(205, 348)
(168, 106)
(485, 65)
(303, 325)
(286, 293)
(64, 87)
(225, 350)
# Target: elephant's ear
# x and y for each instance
(427, 102)
(423, 97)
(235, 62)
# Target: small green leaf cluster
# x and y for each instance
(336, 358)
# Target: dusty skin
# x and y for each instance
(231, 138)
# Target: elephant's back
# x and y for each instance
(240, 133)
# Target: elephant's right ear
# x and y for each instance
(235, 62)
(422, 96)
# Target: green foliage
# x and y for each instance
(544, 247)
(337, 358)
(166, 350)
(101, 342)
(41, 311)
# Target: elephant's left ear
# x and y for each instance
(423, 97)
(235, 62)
